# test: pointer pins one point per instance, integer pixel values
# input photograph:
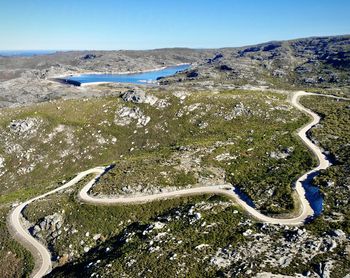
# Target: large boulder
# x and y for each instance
(138, 96)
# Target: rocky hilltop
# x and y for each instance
(44, 66)
(319, 61)
(322, 62)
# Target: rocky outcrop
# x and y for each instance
(293, 242)
(51, 225)
(238, 110)
(125, 115)
(138, 96)
(216, 58)
(89, 56)
(282, 154)
(307, 62)
(225, 68)
(26, 126)
(324, 269)
(192, 74)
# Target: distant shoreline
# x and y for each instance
(64, 79)
(25, 53)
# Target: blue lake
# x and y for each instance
(136, 78)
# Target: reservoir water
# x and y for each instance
(148, 77)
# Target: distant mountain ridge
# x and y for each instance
(25, 53)
(317, 62)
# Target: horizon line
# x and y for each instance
(173, 47)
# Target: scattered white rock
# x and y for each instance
(125, 115)
(248, 232)
(2, 165)
(26, 126)
(181, 94)
(96, 237)
(198, 215)
(282, 154)
(158, 225)
(225, 157)
(221, 259)
(2, 162)
(201, 246)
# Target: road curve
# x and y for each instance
(228, 190)
(44, 266)
(21, 234)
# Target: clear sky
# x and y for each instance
(145, 24)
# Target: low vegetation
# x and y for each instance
(241, 137)
(333, 134)
(125, 233)
(15, 261)
(188, 139)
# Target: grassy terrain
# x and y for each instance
(116, 223)
(333, 134)
(247, 139)
(186, 237)
(204, 138)
(15, 261)
(76, 135)
(341, 92)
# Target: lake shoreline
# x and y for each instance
(80, 73)
(65, 79)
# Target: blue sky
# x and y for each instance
(137, 24)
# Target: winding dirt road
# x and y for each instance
(43, 256)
